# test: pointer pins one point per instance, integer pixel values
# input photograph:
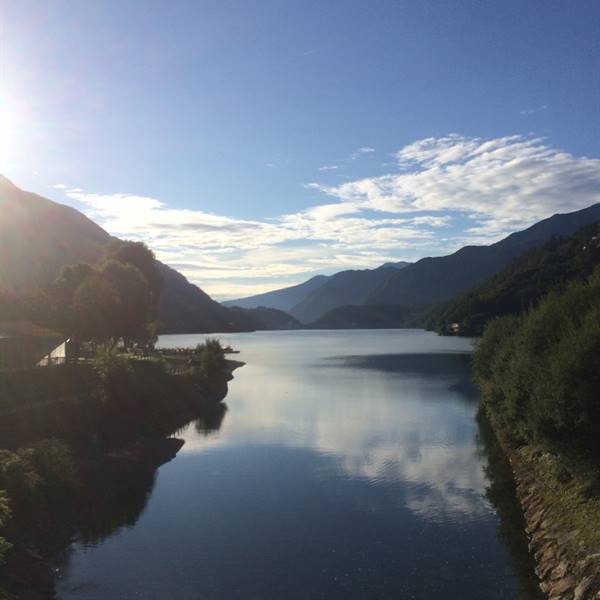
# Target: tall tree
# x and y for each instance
(140, 256)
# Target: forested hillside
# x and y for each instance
(434, 280)
(520, 286)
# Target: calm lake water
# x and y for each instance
(349, 464)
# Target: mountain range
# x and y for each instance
(310, 300)
(38, 237)
(419, 286)
(520, 286)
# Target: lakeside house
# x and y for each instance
(24, 345)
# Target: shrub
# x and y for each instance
(209, 359)
(540, 373)
(5, 514)
(112, 369)
(42, 472)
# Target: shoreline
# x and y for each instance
(566, 569)
(120, 473)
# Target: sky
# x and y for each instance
(254, 144)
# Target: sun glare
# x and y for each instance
(11, 126)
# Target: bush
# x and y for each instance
(112, 369)
(42, 472)
(209, 359)
(540, 373)
(5, 514)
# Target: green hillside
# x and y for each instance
(521, 285)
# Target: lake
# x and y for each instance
(349, 464)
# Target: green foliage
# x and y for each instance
(5, 514)
(118, 300)
(41, 472)
(112, 368)
(128, 317)
(138, 255)
(18, 475)
(540, 372)
(523, 283)
(54, 464)
(208, 360)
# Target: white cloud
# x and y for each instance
(503, 184)
(329, 168)
(60, 186)
(476, 190)
(362, 150)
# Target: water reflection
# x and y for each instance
(113, 496)
(210, 422)
(347, 467)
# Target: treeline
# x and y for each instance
(118, 299)
(523, 283)
(539, 372)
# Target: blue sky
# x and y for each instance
(255, 144)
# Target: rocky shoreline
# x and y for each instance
(567, 568)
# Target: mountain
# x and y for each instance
(394, 265)
(435, 280)
(291, 298)
(38, 237)
(268, 319)
(342, 289)
(283, 299)
(524, 282)
(390, 316)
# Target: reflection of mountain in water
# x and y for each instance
(453, 367)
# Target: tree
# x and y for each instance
(134, 312)
(140, 256)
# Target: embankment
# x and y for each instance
(79, 452)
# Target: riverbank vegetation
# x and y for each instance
(539, 374)
(75, 433)
(76, 438)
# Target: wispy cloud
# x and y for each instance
(60, 186)
(360, 151)
(329, 168)
(473, 190)
(532, 111)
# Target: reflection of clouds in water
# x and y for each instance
(388, 428)
(440, 482)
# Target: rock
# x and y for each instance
(585, 564)
(562, 585)
(560, 570)
(581, 591)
